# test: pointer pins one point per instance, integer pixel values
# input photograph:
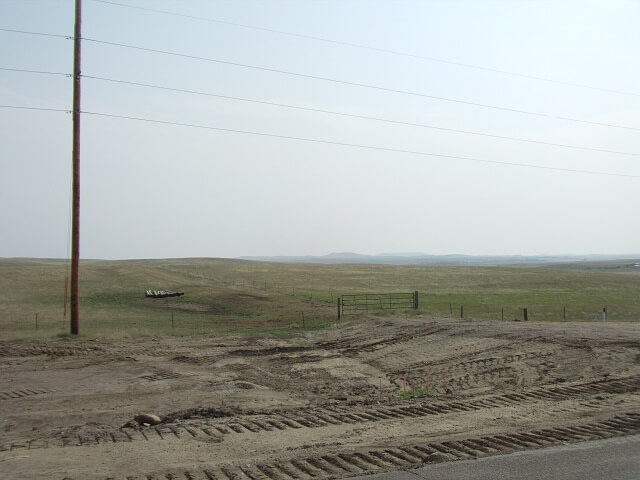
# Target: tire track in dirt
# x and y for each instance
(365, 343)
(315, 417)
(524, 369)
(480, 372)
(25, 392)
(161, 376)
(418, 352)
(480, 367)
(8, 350)
(325, 465)
(478, 363)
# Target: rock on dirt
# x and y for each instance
(147, 419)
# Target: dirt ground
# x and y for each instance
(322, 405)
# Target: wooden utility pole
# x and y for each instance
(75, 227)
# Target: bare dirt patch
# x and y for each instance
(380, 395)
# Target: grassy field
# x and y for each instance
(242, 297)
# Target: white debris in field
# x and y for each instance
(162, 294)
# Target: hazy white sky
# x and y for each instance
(153, 190)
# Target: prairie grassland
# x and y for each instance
(254, 298)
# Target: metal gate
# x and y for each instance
(353, 303)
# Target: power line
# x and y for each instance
(344, 82)
(22, 70)
(363, 117)
(377, 49)
(331, 112)
(68, 37)
(42, 109)
(356, 84)
(355, 145)
(330, 142)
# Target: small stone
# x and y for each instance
(147, 418)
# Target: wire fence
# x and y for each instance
(536, 312)
(311, 316)
(168, 324)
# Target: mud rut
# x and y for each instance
(329, 404)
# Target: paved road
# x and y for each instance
(617, 458)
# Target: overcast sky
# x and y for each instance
(152, 190)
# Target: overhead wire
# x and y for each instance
(329, 142)
(357, 84)
(42, 109)
(355, 145)
(362, 117)
(323, 141)
(375, 49)
(26, 32)
(344, 82)
(22, 70)
(331, 112)
(323, 111)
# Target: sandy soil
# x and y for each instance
(324, 405)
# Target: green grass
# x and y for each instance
(255, 298)
(417, 393)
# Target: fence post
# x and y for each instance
(503, 314)
(564, 313)
(526, 315)
(461, 311)
(172, 324)
(339, 313)
(604, 313)
(36, 320)
(415, 302)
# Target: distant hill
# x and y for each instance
(424, 259)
